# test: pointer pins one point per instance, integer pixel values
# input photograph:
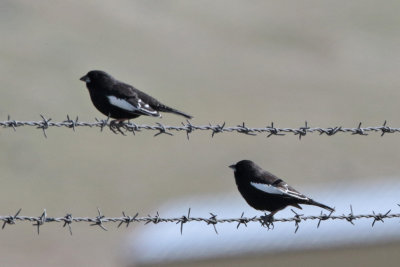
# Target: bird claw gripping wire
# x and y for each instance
(116, 125)
(267, 221)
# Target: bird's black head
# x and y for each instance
(94, 77)
(245, 166)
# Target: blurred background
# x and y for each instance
(332, 63)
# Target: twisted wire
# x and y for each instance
(100, 220)
(129, 127)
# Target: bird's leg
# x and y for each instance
(268, 220)
(115, 126)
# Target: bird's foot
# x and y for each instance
(268, 220)
(116, 125)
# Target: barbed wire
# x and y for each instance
(100, 220)
(128, 127)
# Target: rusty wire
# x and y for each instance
(129, 127)
(100, 220)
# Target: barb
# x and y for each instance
(125, 127)
(100, 220)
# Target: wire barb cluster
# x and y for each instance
(128, 127)
(100, 220)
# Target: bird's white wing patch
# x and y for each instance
(267, 188)
(141, 107)
(121, 103)
(270, 189)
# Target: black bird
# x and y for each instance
(122, 101)
(264, 191)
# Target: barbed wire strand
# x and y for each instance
(100, 220)
(128, 127)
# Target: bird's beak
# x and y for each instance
(233, 167)
(85, 79)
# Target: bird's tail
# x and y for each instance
(171, 110)
(315, 203)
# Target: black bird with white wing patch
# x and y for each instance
(264, 191)
(122, 101)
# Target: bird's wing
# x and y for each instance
(131, 99)
(279, 187)
(123, 90)
(132, 104)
